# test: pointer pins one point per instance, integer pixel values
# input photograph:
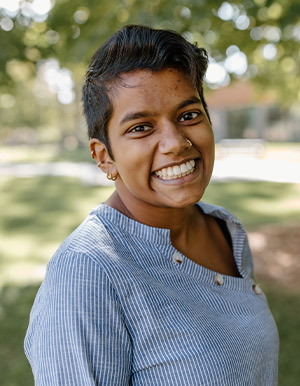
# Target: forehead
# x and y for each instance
(146, 85)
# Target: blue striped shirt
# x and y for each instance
(116, 308)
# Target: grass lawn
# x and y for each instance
(257, 203)
(38, 213)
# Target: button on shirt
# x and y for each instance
(121, 306)
(177, 257)
(219, 279)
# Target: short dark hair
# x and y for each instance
(132, 48)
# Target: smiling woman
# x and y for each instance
(154, 287)
(152, 134)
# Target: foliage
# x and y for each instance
(75, 28)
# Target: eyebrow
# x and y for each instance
(188, 102)
(144, 114)
(135, 115)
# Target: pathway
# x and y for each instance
(228, 168)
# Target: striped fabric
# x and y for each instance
(116, 308)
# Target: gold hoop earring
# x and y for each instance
(110, 177)
(99, 163)
(189, 144)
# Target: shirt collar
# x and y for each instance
(113, 217)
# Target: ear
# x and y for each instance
(100, 154)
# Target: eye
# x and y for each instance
(140, 129)
(189, 116)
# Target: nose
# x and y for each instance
(172, 140)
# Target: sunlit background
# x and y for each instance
(48, 182)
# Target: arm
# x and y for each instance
(77, 334)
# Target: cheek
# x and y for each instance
(204, 137)
(209, 135)
(133, 164)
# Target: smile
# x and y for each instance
(177, 171)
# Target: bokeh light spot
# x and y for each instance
(242, 22)
(226, 11)
(270, 51)
(81, 15)
(6, 24)
(216, 74)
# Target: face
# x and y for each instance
(154, 116)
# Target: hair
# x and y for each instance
(136, 47)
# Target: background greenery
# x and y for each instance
(71, 30)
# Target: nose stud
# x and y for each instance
(189, 144)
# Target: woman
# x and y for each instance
(153, 288)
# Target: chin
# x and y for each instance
(186, 202)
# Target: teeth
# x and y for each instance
(170, 172)
(173, 172)
(183, 168)
(176, 170)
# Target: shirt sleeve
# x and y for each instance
(77, 334)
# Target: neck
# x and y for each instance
(177, 220)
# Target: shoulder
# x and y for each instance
(99, 253)
(219, 212)
(96, 241)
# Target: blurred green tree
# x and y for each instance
(250, 39)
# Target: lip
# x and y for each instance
(171, 164)
(180, 180)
